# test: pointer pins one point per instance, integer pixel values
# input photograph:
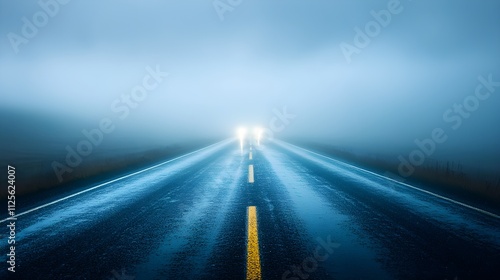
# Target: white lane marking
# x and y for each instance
(250, 157)
(107, 183)
(404, 184)
(250, 174)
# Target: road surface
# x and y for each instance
(274, 211)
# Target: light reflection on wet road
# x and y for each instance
(317, 218)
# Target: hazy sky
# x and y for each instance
(260, 56)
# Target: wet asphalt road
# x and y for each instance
(317, 218)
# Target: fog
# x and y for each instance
(239, 66)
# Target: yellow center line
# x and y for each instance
(253, 256)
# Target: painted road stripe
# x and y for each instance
(253, 255)
(250, 174)
(403, 184)
(250, 156)
(107, 183)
